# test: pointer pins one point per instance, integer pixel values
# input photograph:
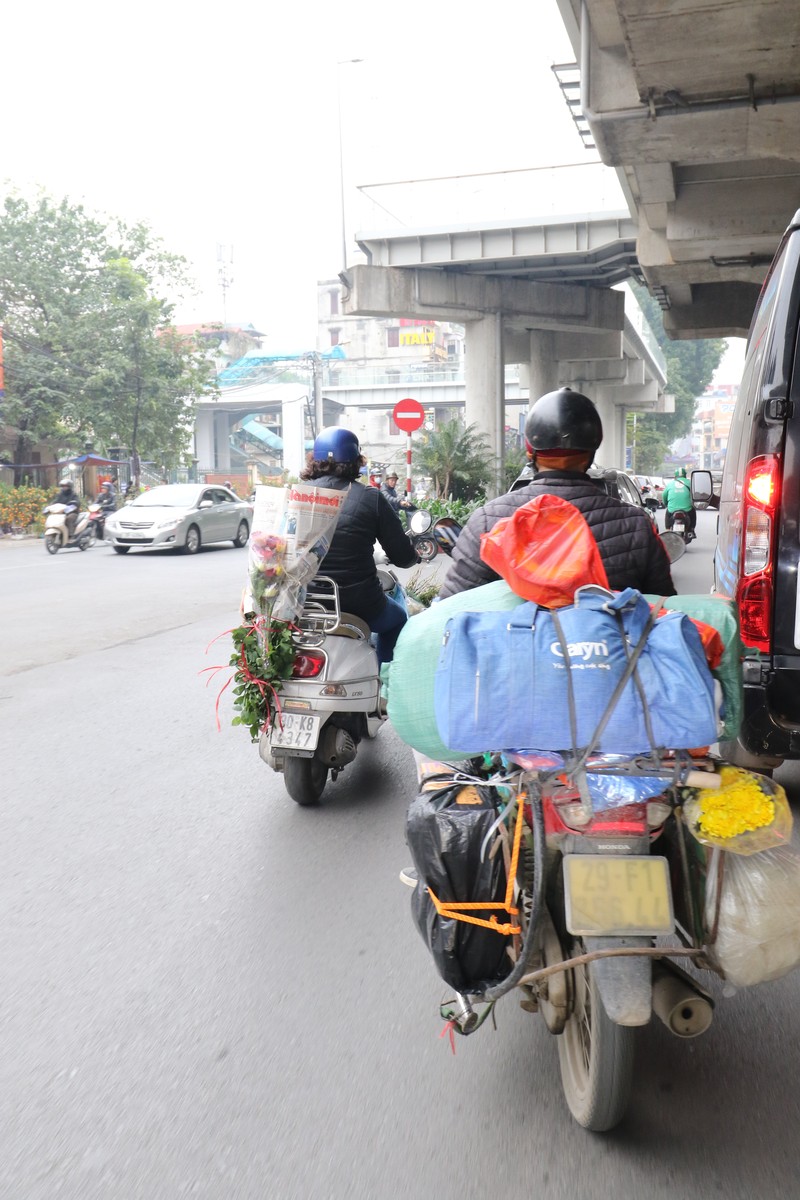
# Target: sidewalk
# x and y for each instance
(13, 539)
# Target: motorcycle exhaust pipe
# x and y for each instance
(465, 1016)
(683, 1006)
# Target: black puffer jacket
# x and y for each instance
(366, 517)
(632, 553)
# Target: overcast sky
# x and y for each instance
(218, 126)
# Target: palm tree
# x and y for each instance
(458, 460)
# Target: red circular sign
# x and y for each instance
(408, 415)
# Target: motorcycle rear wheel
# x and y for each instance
(596, 1056)
(426, 548)
(305, 779)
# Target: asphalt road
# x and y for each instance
(210, 992)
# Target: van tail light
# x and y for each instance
(754, 592)
(308, 665)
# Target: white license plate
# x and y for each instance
(296, 732)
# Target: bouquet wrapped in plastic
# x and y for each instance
(747, 813)
(292, 531)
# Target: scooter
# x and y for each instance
(419, 531)
(333, 699)
(97, 520)
(56, 533)
(430, 537)
(680, 525)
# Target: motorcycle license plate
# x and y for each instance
(298, 732)
(617, 895)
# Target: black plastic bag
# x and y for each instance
(446, 829)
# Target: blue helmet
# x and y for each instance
(336, 445)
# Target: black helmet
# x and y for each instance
(563, 420)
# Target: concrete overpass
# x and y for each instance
(535, 293)
(697, 105)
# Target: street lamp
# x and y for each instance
(342, 63)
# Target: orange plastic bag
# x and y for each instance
(545, 551)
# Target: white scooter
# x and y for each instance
(333, 699)
(56, 533)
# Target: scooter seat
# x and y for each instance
(352, 627)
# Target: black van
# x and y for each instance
(758, 550)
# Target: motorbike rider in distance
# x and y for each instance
(563, 431)
(107, 497)
(389, 489)
(677, 497)
(366, 517)
(72, 501)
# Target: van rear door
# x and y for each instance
(758, 548)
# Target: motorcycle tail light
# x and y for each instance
(630, 820)
(308, 665)
(333, 689)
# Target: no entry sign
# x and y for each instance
(408, 415)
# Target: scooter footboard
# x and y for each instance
(625, 984)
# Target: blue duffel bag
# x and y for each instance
(504, 678)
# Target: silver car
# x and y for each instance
(183, 516)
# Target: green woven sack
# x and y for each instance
(408, 678)
(722, 615)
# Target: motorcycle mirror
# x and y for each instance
(420, 521)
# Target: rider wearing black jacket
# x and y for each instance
(562, 433)
(366, 517)
(68, 496)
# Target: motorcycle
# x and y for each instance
(333, 699)
(430, 537)
(595, 892)
(56, 532)
(680, 525)
(97, 520)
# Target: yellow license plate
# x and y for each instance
(616, 895)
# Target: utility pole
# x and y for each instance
(319, 413)
(225, 260)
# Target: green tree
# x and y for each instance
(89, 350)
(457, 458)
(690, 367)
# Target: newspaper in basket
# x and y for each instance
(291, 534)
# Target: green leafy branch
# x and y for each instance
(262, 658)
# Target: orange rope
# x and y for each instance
(458, 911)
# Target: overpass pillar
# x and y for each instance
(293, 432)
(612, 414)
(222, 442)
(484, 387)
(204, 439)
(543, 365)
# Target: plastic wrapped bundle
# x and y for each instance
(447, 829)
(758, 930)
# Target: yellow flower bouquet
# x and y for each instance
(745, 814)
